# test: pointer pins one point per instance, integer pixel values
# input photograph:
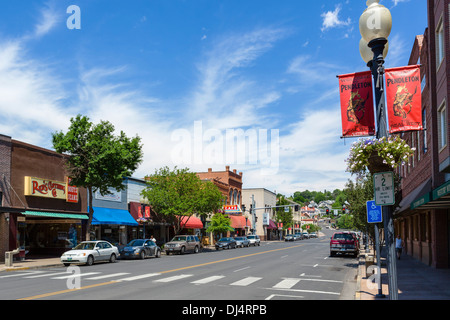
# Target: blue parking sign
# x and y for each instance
(374, 212)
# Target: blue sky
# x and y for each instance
(182, 74)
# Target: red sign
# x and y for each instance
(357, 104)
(404, 98)
(72, 192)
(147, 211)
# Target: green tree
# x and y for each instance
(220, 223)
(281, 215)
(178, 193)
(97, 159)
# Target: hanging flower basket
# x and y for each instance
(378, 155)
(376, 163)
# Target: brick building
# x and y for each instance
(423, 218)
(39, 211)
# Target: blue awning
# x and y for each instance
(113, 216)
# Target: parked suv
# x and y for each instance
(345, 243)
(254, 240)
(182, 243)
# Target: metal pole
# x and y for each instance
(377, 244)
(377, 68)
(253, 214)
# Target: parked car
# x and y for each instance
(226, 243)
(89, 252)
(242, 242)
(305, 235)
(182, 244)
(140, 248)
(254, 240)
(344, 243)
(299, 235)
(289, 237)
(313, 235)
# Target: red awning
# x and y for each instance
(191, 222)
(272, 225)
(238, 222)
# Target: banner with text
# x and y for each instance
(404, 98)
(357, 104)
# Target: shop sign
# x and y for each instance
(72, 192)
(45, 188)
(232, 209)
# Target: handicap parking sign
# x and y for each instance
(374, 212)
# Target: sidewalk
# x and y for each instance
(32, 264)
(415, 280)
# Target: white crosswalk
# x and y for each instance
(286, 284)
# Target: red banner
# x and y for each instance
(357, 104)
(404, 98)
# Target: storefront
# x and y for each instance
(111, 220)
(45, 215)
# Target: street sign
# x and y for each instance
(374, 212)
(383, 184)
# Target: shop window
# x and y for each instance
(442, 126)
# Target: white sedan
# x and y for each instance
(89, 252)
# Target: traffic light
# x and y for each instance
(343, 210)
(296, 207)
(328, 211)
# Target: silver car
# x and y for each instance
(242, 242)
(89, 252)
(182, 243)
(254, 240)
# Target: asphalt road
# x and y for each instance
(300, 270)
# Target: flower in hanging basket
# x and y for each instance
(378, 155)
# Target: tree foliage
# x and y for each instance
(281, 215)
(98, 159)
(220, 223)
(177, 193)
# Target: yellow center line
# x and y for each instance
(45, 295)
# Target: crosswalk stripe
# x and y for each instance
(108, 276)
(170, 279)
(245, 282)
(208, 280)
(74, 275)
(18, 274)
(142, 276)
(286, 283)
(47, 275)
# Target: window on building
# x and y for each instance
(440, 48)
(424, 125)
(442, 126)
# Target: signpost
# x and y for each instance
(383, 184)
(375, 215)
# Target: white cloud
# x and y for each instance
(331, 19)
(48, 19)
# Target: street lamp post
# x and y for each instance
(375, 26)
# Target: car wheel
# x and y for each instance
(90, 261)
(182, 250)
(168, 253)
(66, 264)
(158, 254)
(196, 249)
(142, 255)
(112, 259)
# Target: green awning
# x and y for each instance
(56, 215)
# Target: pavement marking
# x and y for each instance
(19, 274)
(174, 278)
(284, 296)
(108, 276)
(208, 280)
(46, 295)
(245, 282)
(72, 275)
(306, 291)
(47, 275)
(286, 283)
(162, 272)
(241, 269)
(142, 276)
